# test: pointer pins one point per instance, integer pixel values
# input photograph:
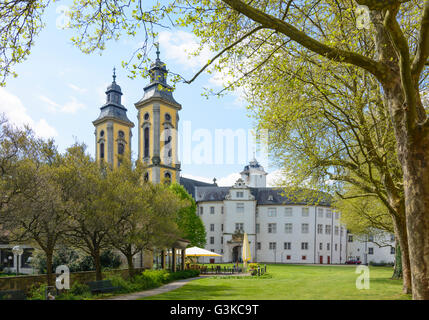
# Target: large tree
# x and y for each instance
(39, 212)
(131, 205)
(190, 224)
(82, 181)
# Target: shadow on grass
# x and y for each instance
(193, 291)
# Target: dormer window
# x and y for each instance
(240, 194)
(270, 198)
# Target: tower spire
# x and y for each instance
(157, 50)
(114, 75)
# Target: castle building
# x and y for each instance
(280, 228)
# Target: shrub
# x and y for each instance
(253, 266)
(37, 292)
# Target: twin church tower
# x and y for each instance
(158, 118)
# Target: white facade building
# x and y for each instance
(280, 229)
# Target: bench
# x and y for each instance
(102, 286)
(13, 295)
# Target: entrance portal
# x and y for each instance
(236, 254)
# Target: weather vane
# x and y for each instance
(114, 74)
(157, 50)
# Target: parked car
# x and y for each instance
(353, 262)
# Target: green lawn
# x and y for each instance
(292, 282)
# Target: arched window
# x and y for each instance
(146, 177)
(101, 150)
(102, 133)
(146, 116)
(167, 177)
(146, 142)
(167, 117)
(121, 134)
(121, 148)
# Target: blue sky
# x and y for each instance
(59, 91)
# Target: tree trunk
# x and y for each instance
(397, 271)
(97, 264)
(131, 271)
(49, 270)
(403, 255)
(413, 154)
(416, 186)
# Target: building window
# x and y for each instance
(146, 177)
(146, 116)
(288, 227)
(270, 198)
(258, 246)
(212, 227)
(370, 250)
(304, 245)
(257, 228)
(304, 228)
(239, 227)
(305, 212)
(336, 230)
(272, 228)
(370, 238)
(336, 247)
(392, 237)
(167, 177)
(240, 207)
(320, 228)
(221, 227)
(101, 150)
(221, 240)
(121, 134)
(211, 240)
(288, 212)
(328, 246)
(327, 229)
(350, 239)
(146, 142)
(287, 246)
(212, 210)
(240, 194)
(319, 212)
(392, 250)
(320, 246)
(341, 231)
(272, 212)
(337, 215)
(121, 148)
(222, 210)
(102, 133)
(328, 213)
(201, 210)
(167, 117)
(273, 245)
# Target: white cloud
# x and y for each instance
(71, 106)
(77, 89)
(179, 45)
(17, 114)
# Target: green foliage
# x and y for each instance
(189, 223)
(37, 292)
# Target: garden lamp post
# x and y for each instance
(17, 252)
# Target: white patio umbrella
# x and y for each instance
(199, 252)
(245, 251)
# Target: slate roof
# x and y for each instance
(190, 184)
(264, 196)
(113, 110)
(153, 91)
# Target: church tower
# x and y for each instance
(112, 128)
(158, 117)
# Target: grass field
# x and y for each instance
(292, 282)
